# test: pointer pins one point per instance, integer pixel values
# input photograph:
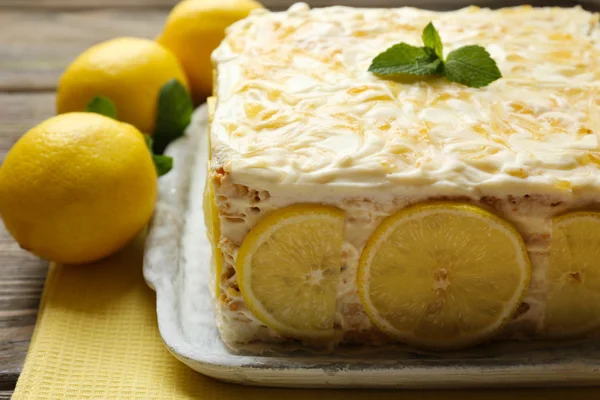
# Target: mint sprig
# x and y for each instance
(103, 106)
(163, 164)
(432, 40)
(403, 58)
(469, 65)
(174, 114)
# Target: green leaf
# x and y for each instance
(103, 106)
(149, 142)
(431, 39)
(471, 66)
(403, 58)
(163, 164)
(174, 114)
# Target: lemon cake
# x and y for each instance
(346, 208)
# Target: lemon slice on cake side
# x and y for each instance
(209, 207)
(213, 228)
(288, 269)
(443, 275)
(573, 277)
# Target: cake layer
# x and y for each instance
(242, 208)
(298, 119)
(297, 109)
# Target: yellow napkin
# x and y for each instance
(97, 338)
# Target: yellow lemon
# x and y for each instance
(213, 228)
(77, 187)
(129, 71)
(288, 269)
(573, 276)
(211, 213)
(194, 29)
(443, 275)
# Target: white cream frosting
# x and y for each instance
(297, 109)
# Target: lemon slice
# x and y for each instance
(211, 104)
(213, 228)
(208, 204)
(288, 269)
(211, 213)
(206, 208)
(573, 297)
(443, 275)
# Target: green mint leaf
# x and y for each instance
(431, 39)
(403, 59)
(174, 114)
(103, 106)
(149, 142)
(471, 66)
(163, 164)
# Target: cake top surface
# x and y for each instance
(296, 106)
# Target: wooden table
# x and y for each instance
(38, 38)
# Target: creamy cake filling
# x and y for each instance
(244, 207)
(300, 120)
(298, 109)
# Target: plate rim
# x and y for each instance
(280, 371)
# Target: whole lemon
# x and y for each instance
(129, 71)
(194, 29)
(77, 187)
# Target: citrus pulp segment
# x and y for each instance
(288, 269)
(573, 278)
(443, 275)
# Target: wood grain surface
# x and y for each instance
(5, 394)
(54, 5)
(36, 46)
(271, 4)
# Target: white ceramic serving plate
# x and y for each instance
(176, 265)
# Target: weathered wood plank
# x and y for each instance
(19, 112)
(36, 46)
(277, 4)
(57, 5)
(5, 394)
(21, 274)
(271, 4)
(21, 282)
